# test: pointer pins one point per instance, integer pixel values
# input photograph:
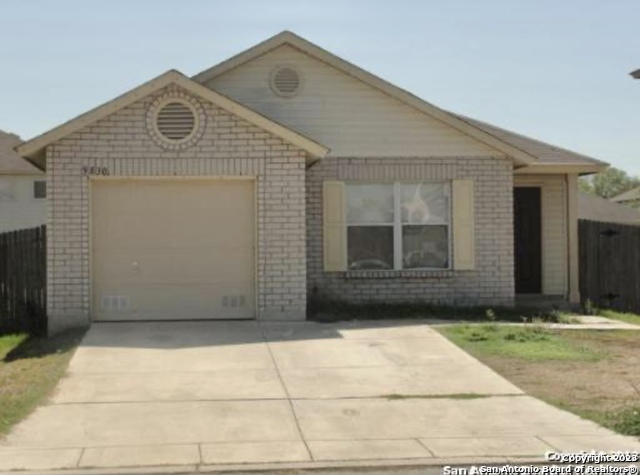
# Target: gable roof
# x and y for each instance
(521, 157)
(596, 208)
(547, 154)
(11, 163)
(34, 149)
(630, 195)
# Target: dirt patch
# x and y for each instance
(594, 387)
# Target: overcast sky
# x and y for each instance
(556, 70)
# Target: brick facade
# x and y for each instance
(229, 146)
(289, 258)
(492, 281)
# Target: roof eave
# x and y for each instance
(34, 150)
(562, 168)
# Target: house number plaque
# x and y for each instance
(93, 171)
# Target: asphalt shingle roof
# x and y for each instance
(10, 161)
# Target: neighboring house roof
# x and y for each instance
(547, 154)
(631, 195)
(595, 208)
(11, 163)
(525, 151)
(34, 148)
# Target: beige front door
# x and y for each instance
(172, 249)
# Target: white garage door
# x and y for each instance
(173, 249)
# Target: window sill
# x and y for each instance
(400, 274)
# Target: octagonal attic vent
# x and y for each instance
(286, 81)
(176, 121)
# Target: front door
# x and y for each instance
(527, 228)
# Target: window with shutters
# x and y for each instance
(398, 226)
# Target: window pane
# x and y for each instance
(370, 247)
(425, 203)
(425, 246)
(369, 204)
(6, 190)
(39, 189)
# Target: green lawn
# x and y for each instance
(593, 374)
(528, 342)
(622, 316)
(29, 370)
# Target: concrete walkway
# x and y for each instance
(206, 395)
(582, 322)
(591, 322)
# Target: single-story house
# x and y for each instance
(23, 188)
(596, 208)
(286, 173)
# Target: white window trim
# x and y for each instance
(397, 225)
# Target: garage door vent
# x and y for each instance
(115, 302)
(234, 301)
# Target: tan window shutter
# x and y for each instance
(464, 252)
(335, 234)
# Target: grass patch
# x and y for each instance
(9, 342)
(323, 310)
(395, 397)
(30, 368)
(529, 342)
(632, 318)
(590, 373)
(626, 421)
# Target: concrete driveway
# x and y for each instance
(217, 394)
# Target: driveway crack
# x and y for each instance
(286, 391)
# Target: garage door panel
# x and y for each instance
(116, 236)
(151, 267)
(167, 197)
(165, 232)
(180, 249)
(198, 243)
(170, 302)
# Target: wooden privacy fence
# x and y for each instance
(23, 281)
(610, 265)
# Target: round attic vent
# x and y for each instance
(286, 81)
(176, 120)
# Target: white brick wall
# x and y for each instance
(491, 283)
(229, 147)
